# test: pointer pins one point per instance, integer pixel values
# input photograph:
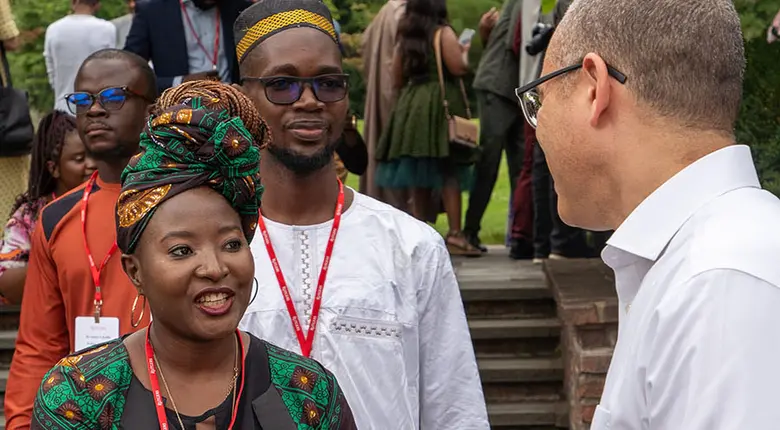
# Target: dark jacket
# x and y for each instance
(157, 34)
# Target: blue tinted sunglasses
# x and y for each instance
(112, 98)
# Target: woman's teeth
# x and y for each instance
(213, 299)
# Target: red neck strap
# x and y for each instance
(194, 33)
(306, 342)
(94, 270)
(155, 383)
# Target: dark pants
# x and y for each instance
(501, 128)
(523, 197)
(550, 232)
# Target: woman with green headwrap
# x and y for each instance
(187, 212)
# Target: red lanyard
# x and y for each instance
(155, 383)
(92, 267)
(197, 38)
(305, 342)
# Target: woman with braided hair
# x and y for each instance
(186, 214)
(58, 164)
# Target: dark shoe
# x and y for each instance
(475, 242)
(521, 250)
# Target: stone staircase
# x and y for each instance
(9, 322)
(516, 336)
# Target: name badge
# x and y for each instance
(90, 333)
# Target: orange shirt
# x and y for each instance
(59, 288)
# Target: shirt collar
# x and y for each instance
(650, 227)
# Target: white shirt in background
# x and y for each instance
(69, 41)
(697, 268)
(392, 326)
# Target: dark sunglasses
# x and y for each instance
(110, 99)
(529, 97)
(286, 90)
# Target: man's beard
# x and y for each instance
(303, 165)
(119, 152)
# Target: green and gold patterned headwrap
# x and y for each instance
(202, 133)
(268, 17)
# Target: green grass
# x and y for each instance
(493, 223)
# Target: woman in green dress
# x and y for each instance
(414, 152)
(187, 212)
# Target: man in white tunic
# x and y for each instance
(638, 132)
(388, 319)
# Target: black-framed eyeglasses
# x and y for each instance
(112, 98)
(286, 90)
(529, 97)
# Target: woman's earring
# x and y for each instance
(133, 322)
(257, 288)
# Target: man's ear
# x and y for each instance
(241, 89)
(599, 90)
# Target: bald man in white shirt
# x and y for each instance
(635, 111)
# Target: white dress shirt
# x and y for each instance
(392, 326)
(697, 273)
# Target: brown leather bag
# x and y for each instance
(461, 131)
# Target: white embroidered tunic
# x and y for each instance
(392, 326)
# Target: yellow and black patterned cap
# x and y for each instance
(268, 17)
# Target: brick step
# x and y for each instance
(528, 347)
(536, 415)
(520, 369)
(514, 328)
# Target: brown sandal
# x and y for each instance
(458, 245)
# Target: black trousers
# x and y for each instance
(551, 234)
(501, 128)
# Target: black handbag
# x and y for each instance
(16, 128)
(352, 149)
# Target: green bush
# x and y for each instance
(357, 86)
(759, 119)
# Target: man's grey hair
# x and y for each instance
(684, 59)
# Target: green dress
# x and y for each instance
(414, 150)
(97, 389)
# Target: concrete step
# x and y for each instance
(3, 380)
(517, 392)
(9, 317)
(502, 289)
(495, 277)
(514, 415)
(7, 339)
(520, 369)
(514, 328)
(509, 309)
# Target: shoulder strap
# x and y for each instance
(440, 69)
(437, 46)
(5, 70)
